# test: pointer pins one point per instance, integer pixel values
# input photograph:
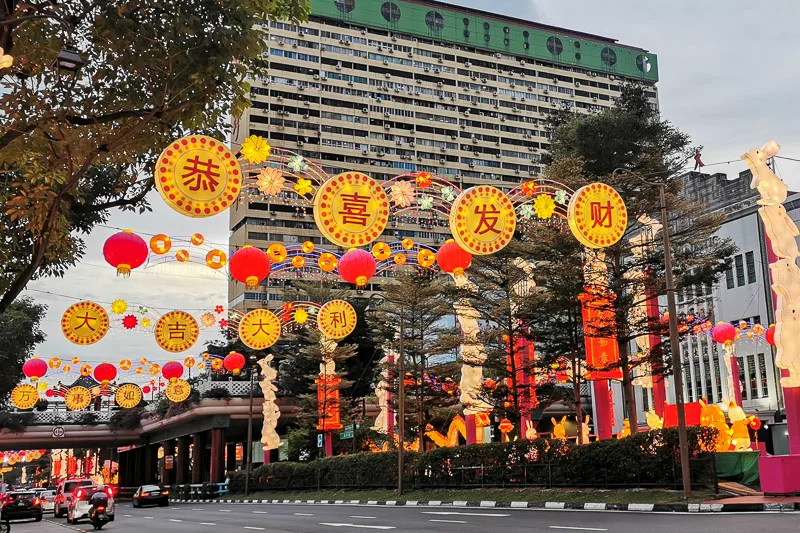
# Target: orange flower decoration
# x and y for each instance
(529, 188)
(423, 180)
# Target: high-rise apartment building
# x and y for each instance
(387, 88)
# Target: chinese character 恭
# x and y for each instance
(601, 214)
(201, 173)
(85, 322)
(354, 209)
(260, 328)
(487, 223)
(177, 331)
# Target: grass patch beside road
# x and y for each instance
(498, 495)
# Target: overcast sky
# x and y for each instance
(729, 78)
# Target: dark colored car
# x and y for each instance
(151, 495)
(21, 504)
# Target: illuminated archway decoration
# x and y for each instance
(84, 323)
(597, 215)
(337, 319)
(259, 329)
(483, 220)
(176, 331)
(351, 209)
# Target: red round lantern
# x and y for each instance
(357, 266)
(34, 368)
(755, 424)
(105, 373)
(125, 251)
(453, 259)
(49, 393)
(724, 333)
(770, 336)
(146, 389)
(234, 362)
(172, 371)
(250, 266)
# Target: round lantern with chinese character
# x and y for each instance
(250, 266)
(234, 363)
(105, 373)
(357, 266)
(125, 251)
(172, 370)
(34, 368)
(453, 259)
(724, 333)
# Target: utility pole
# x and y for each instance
(675, 347)
(401, 399)
(249, 450)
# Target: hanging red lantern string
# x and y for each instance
(453, 259)
(172, 371)
(250, 266)
(234, 363)
(357, 266)
(34, 368)
(125, 251)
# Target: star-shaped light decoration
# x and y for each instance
(219, 309)
(423, 180)
(256, 149)
(143, 310)
(402, 193)
(561, 197)
(118, 307)
(207, 320)
(303, 187)
(301, 316)
(449, 193)
(529, 188)
(130, 321)
(426, 202)
(526, 211)
(544, 206)
(297, 163)
(270, 181)
(145, 322)
(5, 60)
(223, 323)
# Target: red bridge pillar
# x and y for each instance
(182, 461)
(217, 455)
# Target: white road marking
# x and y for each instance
(127, 515)
(175, 520)
(260, 512)
(578, 528)
(174, 508)
(448, 521)
(360, 526)
(224, 510)
(254, 528)
(364, 517)
(207, 524)
(303, 514)
(196, 509)
(449, 513)
(148, 517)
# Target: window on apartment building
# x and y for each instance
(435, 21)
(742, 379)
(555, 46)
(752, 377)
(608, 56)
(646, 400)
(345, 6)
(762, 375)
(698, 378)
(390, 12)
(739, 262)
(750, 263)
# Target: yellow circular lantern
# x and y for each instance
(400, 259)
(327, 262)
(125, 364)
(426, 258)
(24, 396)
(337, 319)
(308, 247)
(54, 363)
(351, 209)
(259, 329)
(160, 244)
(155, 369)
(128, 396)
(176, 331)
(407, 243)
(188, 362)
(198, 239)
(298, 261)
(483, 220)
(276, 253)
(84, 323)
(381, 251)
(178, 390)
(216, 364)
(78, 398)
(182, 256)
(86, 370)
(216, 259)
(597, 215)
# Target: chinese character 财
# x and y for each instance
(601, 214)
(201, 174)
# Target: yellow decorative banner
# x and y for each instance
(24, 397)
(259, 329)
(84, 323)
(176, 331)
(198, 176)
(597, 215)
(483, 220)
(351, 209)
(128, 396)
(178, 390)
(78, 398)
(337, 319)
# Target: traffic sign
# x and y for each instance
(347, 433)
(319, 440)
(58, 432)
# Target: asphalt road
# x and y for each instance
(231, 518)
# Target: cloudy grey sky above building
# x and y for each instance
(729, 78)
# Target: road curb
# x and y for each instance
(572, 506)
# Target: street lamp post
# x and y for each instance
(401, 400)
(249, 450)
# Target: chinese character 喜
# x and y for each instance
(354, 209)
(601, 214)
(86, 318)
(201, 173)
(177, 331)
(487, 223)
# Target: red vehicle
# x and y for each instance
(64, 494)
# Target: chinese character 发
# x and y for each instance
(490, 216)
(85, 322)
(354, 209)
(601, 214)
(260, 327)
(201, 174)
(177, 331)
(339, 319)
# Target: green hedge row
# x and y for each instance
(645, 460)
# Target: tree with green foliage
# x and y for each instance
(20, 333)
(633, 149)
(74, 145)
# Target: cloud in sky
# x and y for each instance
(728, 78)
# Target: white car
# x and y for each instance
(47, 497)
(79, 505)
